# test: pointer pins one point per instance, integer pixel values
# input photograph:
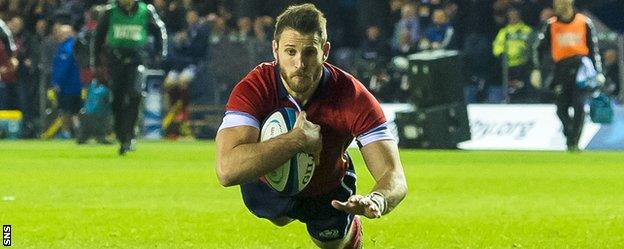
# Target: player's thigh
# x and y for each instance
(265, 203)
(328, 226)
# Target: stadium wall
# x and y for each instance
(526, 127)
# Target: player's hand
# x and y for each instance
(358, 205)
(312, 143)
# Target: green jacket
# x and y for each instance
(128, 30)
(513, 39)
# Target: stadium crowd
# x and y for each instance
(213, 43)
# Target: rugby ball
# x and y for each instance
(294, 175)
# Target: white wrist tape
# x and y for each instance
(379, 200)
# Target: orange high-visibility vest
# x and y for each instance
(568, 39)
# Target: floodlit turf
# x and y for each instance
(165, 195)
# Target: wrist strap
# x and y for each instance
(379, 200)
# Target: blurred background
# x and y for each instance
(433, 64)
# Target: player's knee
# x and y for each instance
(351, 240)
(342, 243)
(282, 221)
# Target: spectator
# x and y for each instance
(476, 29)
(406, 46)
(8, 80)
(450, 10)
(530, 10)
(83, 43)
(409, 23)
(49, 47)
(244, 31)
(25, 84)
(189, 52)
(374, 48)
(66, 81)
(8, 65)
(219, 29)
(260, 46)
(439, 34)
(612, 72)
(7, 38)
(174, 19)
(511, 47)
(31, 83)
(500, 8)
(394, 16)
(546, 14)
(424, 13)
(371, 66)
(162, 9)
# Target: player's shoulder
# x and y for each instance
(265, 67)
(342, 77)
(263, 73)
(343, 81)
(259, 80)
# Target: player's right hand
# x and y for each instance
(358, 205)
(312, 142)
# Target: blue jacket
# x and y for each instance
(436, 33)
(65, 71)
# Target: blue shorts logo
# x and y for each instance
(329, 234)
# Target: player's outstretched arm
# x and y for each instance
(241, 158)
(382, 160)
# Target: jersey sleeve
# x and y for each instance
(592, 45)
(244, 105)
(367, 120)
(157, 28)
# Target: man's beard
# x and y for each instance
(298, 85)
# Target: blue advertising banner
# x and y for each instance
(153, 111)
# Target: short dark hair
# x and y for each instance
(304, 18)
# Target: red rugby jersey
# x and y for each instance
(341, 105)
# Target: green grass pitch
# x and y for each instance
(165, 195)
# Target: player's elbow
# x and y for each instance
(401, 187)
(226, 179)
(403, 190)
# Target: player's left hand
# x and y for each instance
(358, 205)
